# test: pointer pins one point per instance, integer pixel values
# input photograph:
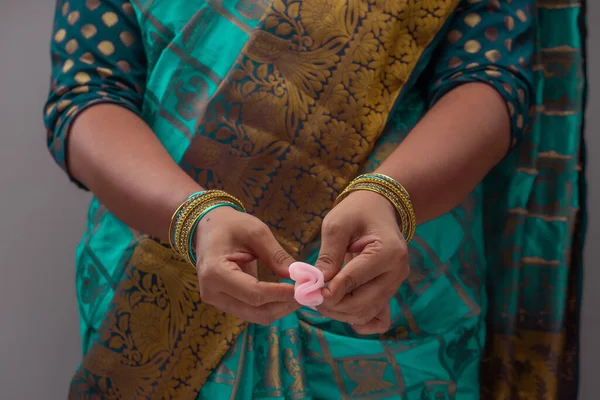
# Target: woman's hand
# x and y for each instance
(228, 245)
(362, 231)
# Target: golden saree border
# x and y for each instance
(333, 70)
(525, 363)
(157, 332)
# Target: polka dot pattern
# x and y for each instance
(96, 48)
(491, 41)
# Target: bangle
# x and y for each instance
(394, 192)
(187, 233)
(188, 215)
(402, 198)
(183, 222)
(176, 213)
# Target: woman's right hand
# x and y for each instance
(228, 245)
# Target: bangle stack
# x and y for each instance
(187, 216)
(393, 192)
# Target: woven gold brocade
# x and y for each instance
(302, 108)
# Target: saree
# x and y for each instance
(282, 103)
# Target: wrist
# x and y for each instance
(212, 218)
(374, 201)
(188, 216)
(392, 192)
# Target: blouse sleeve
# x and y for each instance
(491, 41)
(97, 56)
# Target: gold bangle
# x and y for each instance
(182, 220)
(402, 215)
(188, 208)
(405, 199)
(394, 192)
(188, 221)
(187, 214)
(389, 180)
(174, 216)
(386, 193)
(401, 196)
(192, 222)
(188, 224)
(186, 229)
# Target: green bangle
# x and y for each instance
(191, 252)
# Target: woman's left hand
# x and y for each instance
(362, 231)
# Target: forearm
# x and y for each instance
(115, 154)
(451, 149)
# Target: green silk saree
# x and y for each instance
(281, 103)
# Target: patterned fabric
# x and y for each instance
(436, 343)
(534, 261)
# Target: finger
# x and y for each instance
(380, 324)
(366, 310)
(335, 239)
(250, 268)
(358, 319)
(250, 290)
(349, 257)
(356, 302)
(360, 270)
(265, 247)
(264, 315)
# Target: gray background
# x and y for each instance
(42, 215)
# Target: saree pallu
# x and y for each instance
(298, 99)
(535, 261)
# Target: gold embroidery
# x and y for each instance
(333, 364)
(530, 348)
(335, 70)
(391, 359)
(292, 364)
(157, 333)
(223, 369)
(247, 339)
(368, 376)
(272, 373)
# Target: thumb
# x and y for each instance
(266, 248)
(334, 243)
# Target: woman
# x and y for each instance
(280, 104)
